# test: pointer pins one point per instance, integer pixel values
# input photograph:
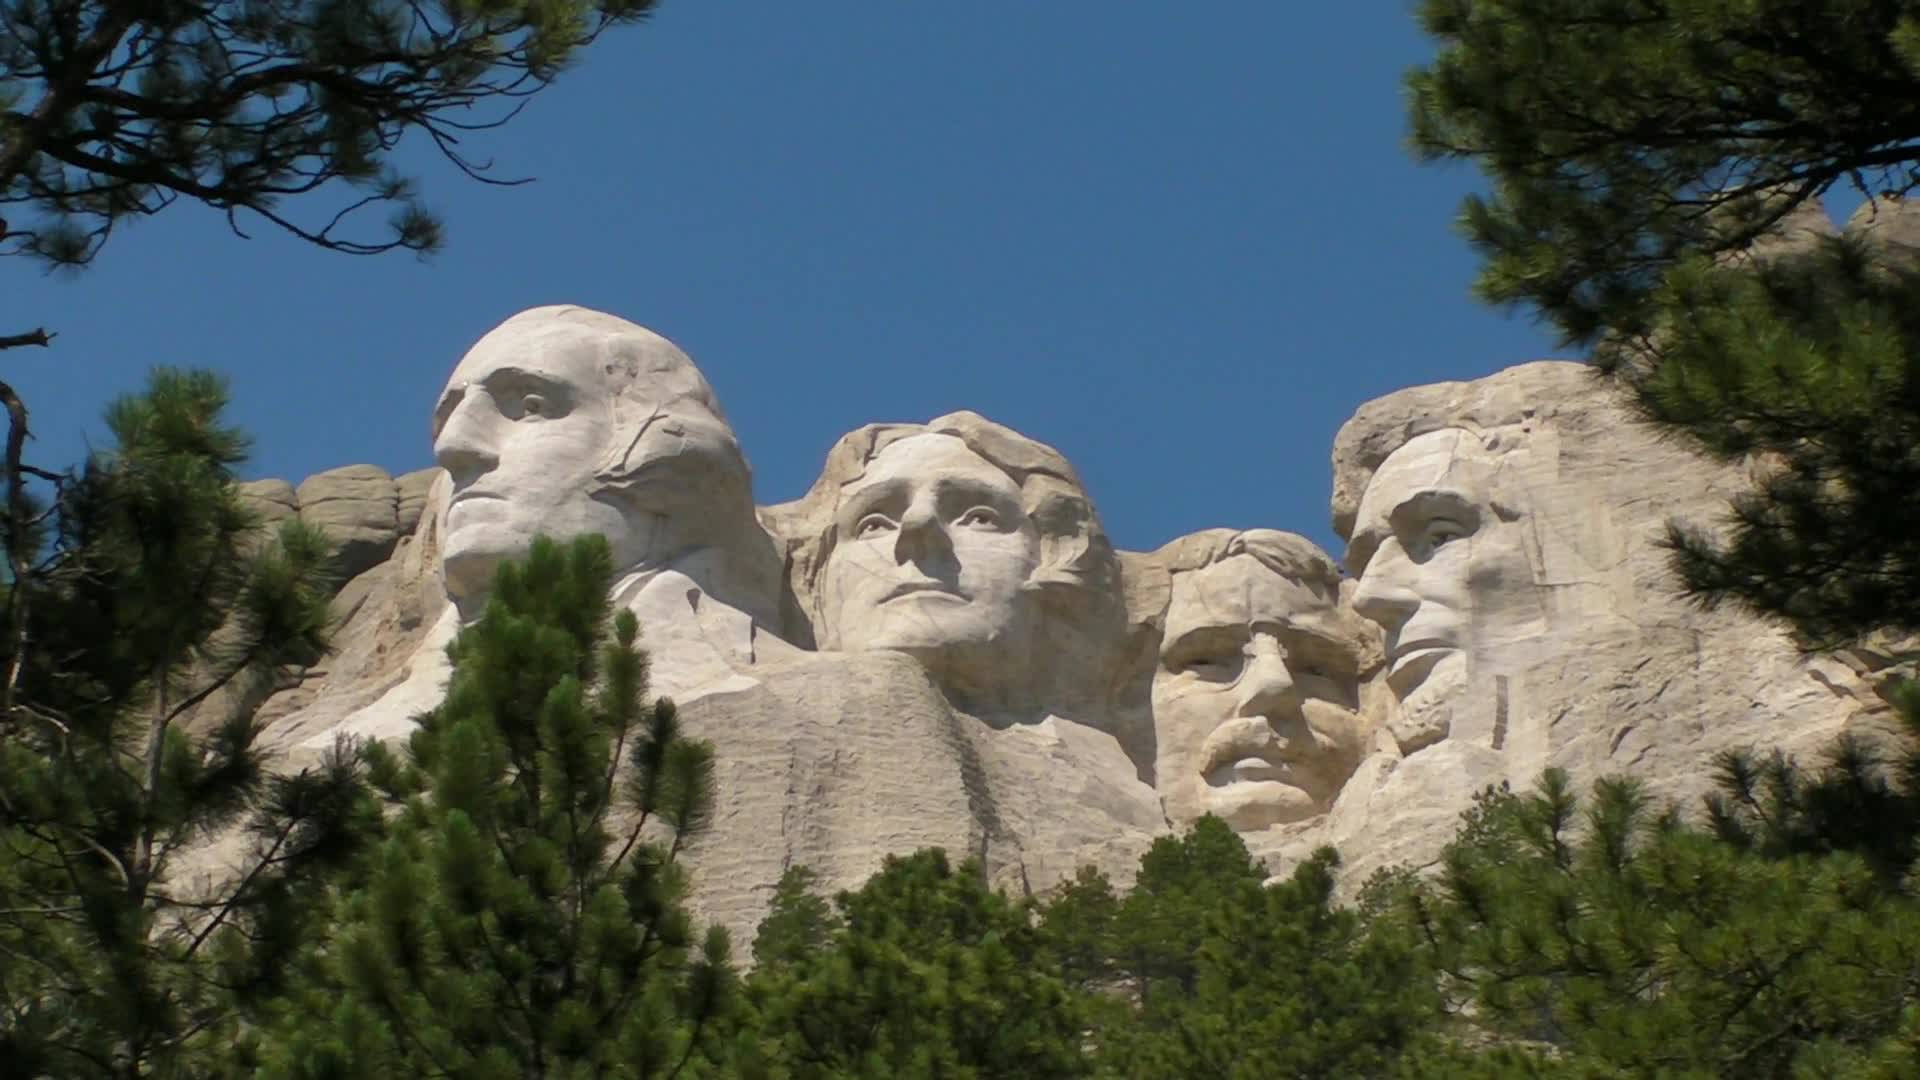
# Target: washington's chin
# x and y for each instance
(1249, 805)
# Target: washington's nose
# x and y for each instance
(464, 447)
(921, 539)
(1383, 595)
(1266, 685)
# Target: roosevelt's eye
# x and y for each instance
(872, 524)
(981, 517)
(533, 405)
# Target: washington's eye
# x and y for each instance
(533, 405)
(871, 524)
(982, 516)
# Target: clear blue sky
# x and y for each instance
(1181, 243)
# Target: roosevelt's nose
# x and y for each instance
(1266, 686)
(921, 539)
(1385, 595)
(465, 446)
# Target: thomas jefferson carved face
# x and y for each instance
(931, 548)
(1255, 697)
(1442, 565)
(564, 422)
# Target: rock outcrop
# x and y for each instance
(937, 645)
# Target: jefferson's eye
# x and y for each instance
(872, 524)
(982, 516)
(533, 405)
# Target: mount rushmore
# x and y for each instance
(938, 645)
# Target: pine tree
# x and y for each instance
(1616, 941)
(524, 916)
(1231, 977)
(1636, 149)
(798, 924)
(1623, 136)
(931, 974)
(135, 598)
(111, 112)
(1813, 365)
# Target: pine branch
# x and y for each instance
(38, 336)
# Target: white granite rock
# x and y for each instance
(938, 646)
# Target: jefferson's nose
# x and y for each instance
(1384, 595)
(921, 538)
(465, 446)
(1266, 686)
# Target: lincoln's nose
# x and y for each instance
(1383, 595)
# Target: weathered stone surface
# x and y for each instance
(411, 491)
(937, 645)
(355, 505)
(272, 500)
(1503, 535)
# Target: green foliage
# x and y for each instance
(1635, 147)
(1813, 363)
(931, 974)
(141, 622)
(798, 924)
(1224, 976)
(1862, 800)
(111, 111)
(1625, 135)
(1615, 941)
(524, 914)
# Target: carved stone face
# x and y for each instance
(1254, 699)
(1444, 572)
(931, 549)
(567, 422)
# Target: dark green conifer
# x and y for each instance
(931, 974)
(137, 606)
(524, 916)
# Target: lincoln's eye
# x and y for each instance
(1442, 531)
(872, 524)
(1211, 668)
(533, 405)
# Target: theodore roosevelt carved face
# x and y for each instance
(566, 421)
(1256, 695)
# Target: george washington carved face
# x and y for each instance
(565, 421)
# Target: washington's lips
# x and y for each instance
(472, 495)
